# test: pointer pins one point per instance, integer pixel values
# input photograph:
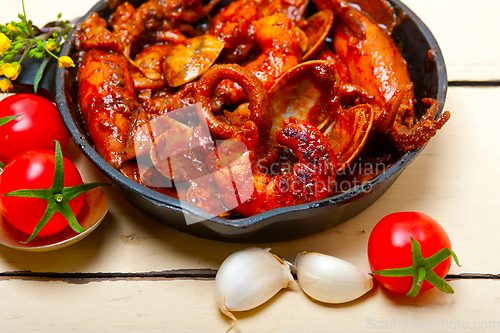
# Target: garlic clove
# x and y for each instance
(249, 278)
(329, 279)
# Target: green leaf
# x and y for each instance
(416, 253)
(397, 272)
(49, 212)
(455, 258)
(437, 258)
(32, 193)
(417, 282)
(5, 120)
(39, 73)
(70, 193)
(58, 184)
(438, 282)
(66, 211)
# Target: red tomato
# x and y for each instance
(39, 125)
(389, 246)
(34, 169)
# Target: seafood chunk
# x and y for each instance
(375, 63)
(309, 91)
(147, 72)
(107, 101)
(257, 95)
(311, 179)
(189, 59)
(317, 28)
(279, 43)
(233, 26)
(92, 33)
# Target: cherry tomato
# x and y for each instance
(35, 169)
(37, 127)
(390, 246)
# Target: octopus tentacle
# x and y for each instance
(386, 117)
(408, 138)
(257, 95)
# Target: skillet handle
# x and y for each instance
(25, 81)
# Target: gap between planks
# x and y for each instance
(494, 83)
(180, 274)
(82, 278)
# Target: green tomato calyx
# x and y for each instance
(57, 197)
(422, 269)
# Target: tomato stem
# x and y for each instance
(57, 197)
(422, 269)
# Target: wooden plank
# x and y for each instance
(466, 34)
(454, 180)
(188, 306)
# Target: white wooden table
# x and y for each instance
(134, 274)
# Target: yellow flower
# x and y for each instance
(51, 46)
(11, 70)
(11, 27)
(4, 43)
(66, 62)
(6, 85)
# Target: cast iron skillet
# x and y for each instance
(429, 76)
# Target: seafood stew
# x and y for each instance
(355, 133)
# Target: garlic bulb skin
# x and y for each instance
(329, 279)
(248, 278)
